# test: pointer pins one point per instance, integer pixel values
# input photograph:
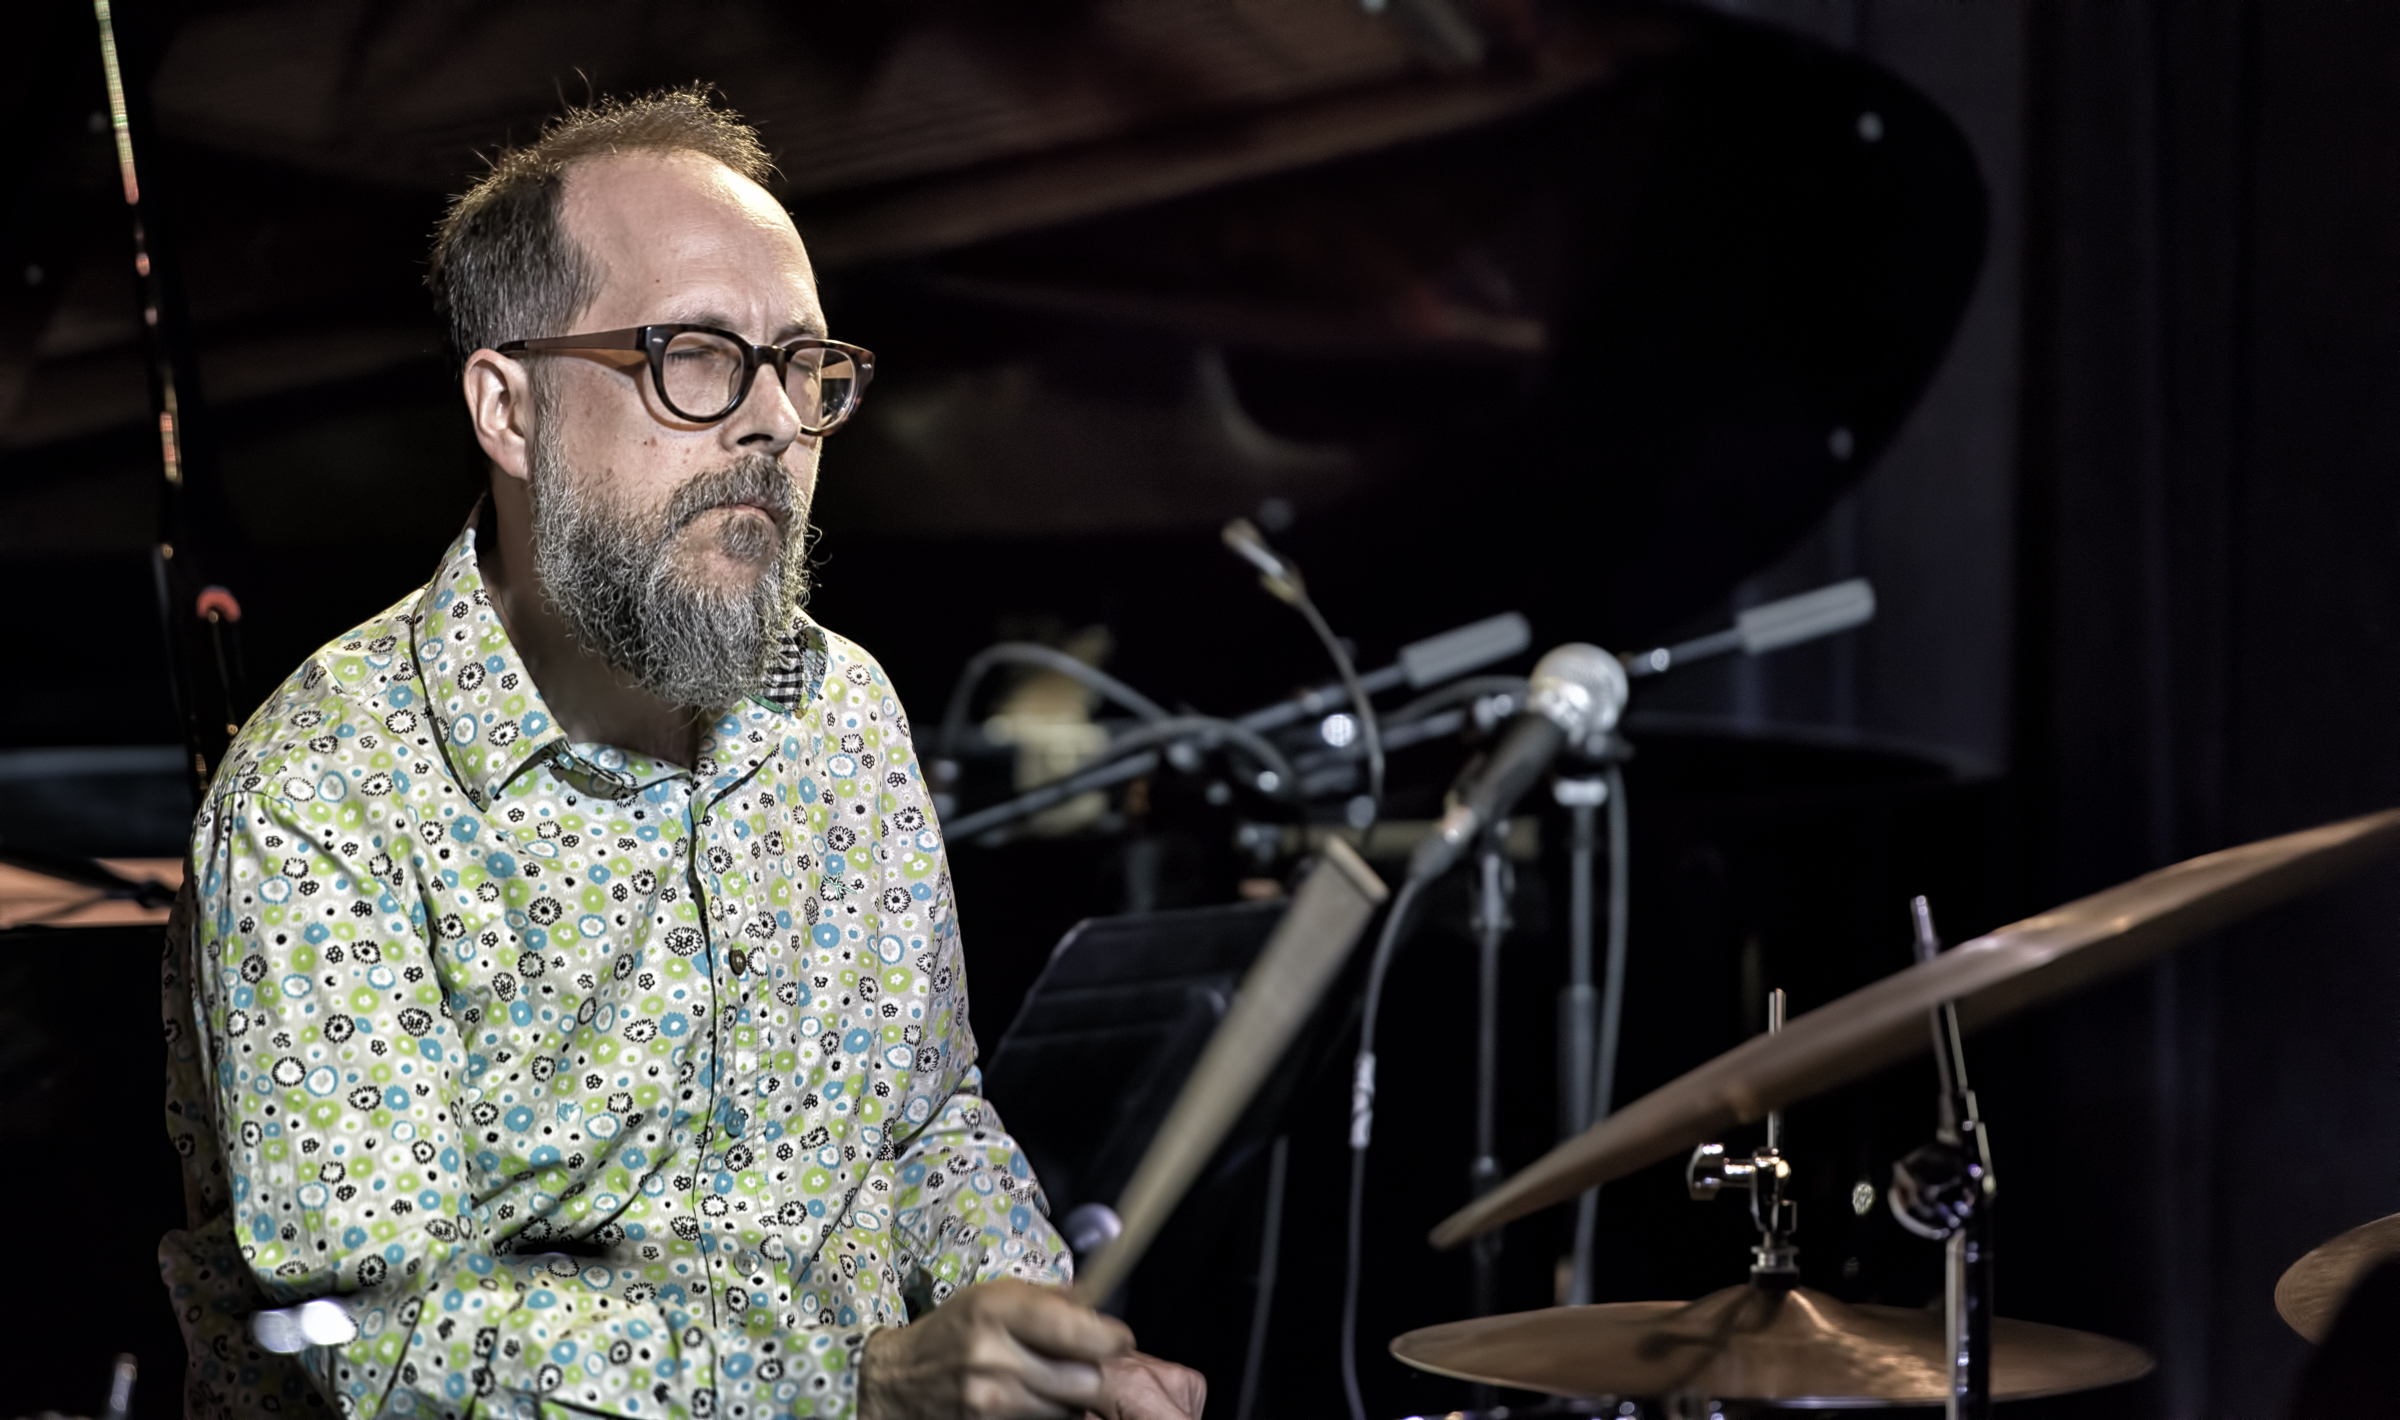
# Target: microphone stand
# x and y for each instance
(1493, 885)
(207, 696)
(1577, 1005)
(1432, 661)
(1588, 1047)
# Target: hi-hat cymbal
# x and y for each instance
(2060, 951)
(2311, 1291)
(1745, 1343)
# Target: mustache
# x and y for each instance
(753, 478)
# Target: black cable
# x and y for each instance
(1177, 727)
(1027, 653)
(1128, 756)
(1358, 1200)
(1270, 1247)
(1281, 577)
(1362, 1123)
(1368, 729)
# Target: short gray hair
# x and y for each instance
(503, 267)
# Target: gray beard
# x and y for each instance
(617, 580)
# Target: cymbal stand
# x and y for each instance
(1764, 1173)
(1945, 1191)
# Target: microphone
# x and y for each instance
(1275, 572)
(1576, 691)
(1769, 628)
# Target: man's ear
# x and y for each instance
(499, 395)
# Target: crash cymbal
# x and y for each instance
(2311, 1291)
(2060, 951)
(1747, 1343)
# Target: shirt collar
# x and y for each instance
(740, 740)
(493, 721)
(491, 717)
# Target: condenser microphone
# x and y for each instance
(1576, 692)
(1275, 571)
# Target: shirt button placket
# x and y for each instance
(728, 1269)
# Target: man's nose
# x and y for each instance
(766, 422)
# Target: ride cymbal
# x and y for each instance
(2311, 1291)
(1797, 1347)
(1990, 977)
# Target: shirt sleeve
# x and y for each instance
(968, 1208)
(334, 1063)
(965, 1205)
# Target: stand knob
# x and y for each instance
(1710, 1170)
(1935, 1190)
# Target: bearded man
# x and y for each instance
(567, 1011)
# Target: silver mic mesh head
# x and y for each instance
(1578, 687)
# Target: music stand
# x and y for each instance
(1109, 1031)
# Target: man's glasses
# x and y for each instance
(703, 373)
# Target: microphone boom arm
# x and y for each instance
(1772, 627)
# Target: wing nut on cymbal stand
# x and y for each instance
(1764, 1173)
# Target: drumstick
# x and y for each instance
(1326, 917)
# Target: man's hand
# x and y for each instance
(1140, 1387)
(1005, 1351)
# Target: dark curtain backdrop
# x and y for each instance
(2209, 595)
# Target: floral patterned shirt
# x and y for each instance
(580, 1081)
